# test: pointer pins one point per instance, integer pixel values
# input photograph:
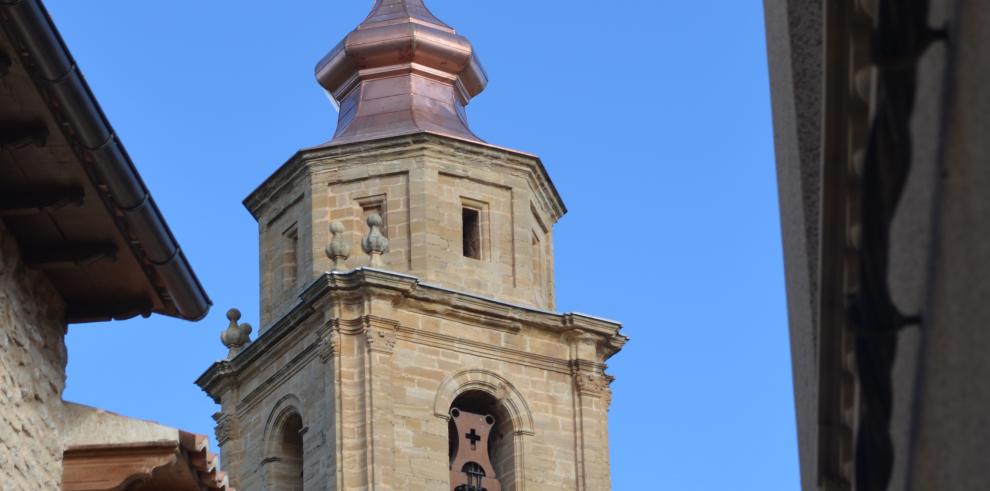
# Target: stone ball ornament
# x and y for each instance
(375, 243)
(236, 336)
(339, 249)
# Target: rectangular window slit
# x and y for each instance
(290, 260)
(471, 232)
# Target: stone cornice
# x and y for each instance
(409, 292)
(388, 148)
(216, 378)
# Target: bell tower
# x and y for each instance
(408, 337)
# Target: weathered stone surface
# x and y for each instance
(452, 303)
(32, 374)
(373, 360)
(419, 185)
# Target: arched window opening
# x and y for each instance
(287, 473)
(477, 416)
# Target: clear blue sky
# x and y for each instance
(652, 118)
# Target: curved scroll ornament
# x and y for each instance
(380, 340)
(596, 385)
(326, 345)
(226, 428)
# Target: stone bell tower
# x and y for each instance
(408, 338)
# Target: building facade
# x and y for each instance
(407, 281)
(81, 240)
(880, 118)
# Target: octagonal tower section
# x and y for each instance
(458, 214)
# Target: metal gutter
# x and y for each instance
(97, 144)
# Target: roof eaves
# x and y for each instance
(56, 75)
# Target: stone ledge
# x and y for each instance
(406, 291)
(391, 147)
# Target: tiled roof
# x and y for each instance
(105, 451)
(205, 463)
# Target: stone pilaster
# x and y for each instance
(379, 343)
(374, 360)
(592, 397)
(228, 425)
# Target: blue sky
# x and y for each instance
(651, 116)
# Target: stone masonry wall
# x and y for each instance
(421, 191)
(373, 374)
(32, 374)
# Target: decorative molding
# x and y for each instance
(356, 286)
(483, 350)
(594, 384)
(216, 379)
(326, 343)
(439, 148)
(227, 427)
(213, 380)
(285, 407)
(462, 174)
(115, 466)
(501, 389)
(380, 340)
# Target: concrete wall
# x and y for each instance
(939, 257)
(794, 45)
(951, 434)
(32, 374)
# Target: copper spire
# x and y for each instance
(401, 71)
(399, 11)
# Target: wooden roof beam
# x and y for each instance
(23, 203)
(70, 256)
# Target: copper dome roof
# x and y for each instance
(401, 71)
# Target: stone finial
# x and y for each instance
(236, 337)
(339, 249)
(375, 243)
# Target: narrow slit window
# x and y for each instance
(538, 268)
(289, 266)
(471, 232)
